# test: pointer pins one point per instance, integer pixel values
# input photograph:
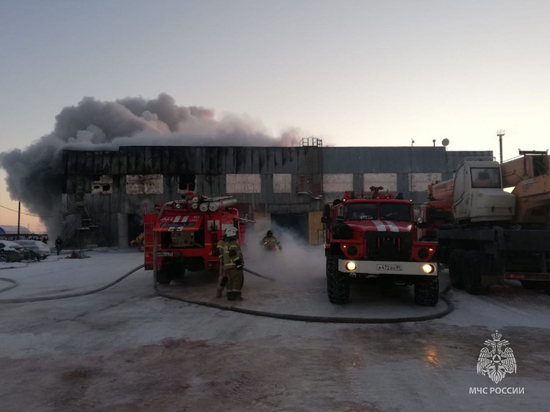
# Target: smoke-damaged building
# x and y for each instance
(105, 192)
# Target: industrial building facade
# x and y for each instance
(105, 192)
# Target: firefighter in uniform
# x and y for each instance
(270, 242)
(58, 245)
(233, 264)
(222, 279)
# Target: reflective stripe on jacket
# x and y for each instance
(270, 242)
(220, 246)
(231, 247)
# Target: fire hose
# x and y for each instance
(258, 275)
(303, 318)
(317, 319)
(286, 316)
(14, 284)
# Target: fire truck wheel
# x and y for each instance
(177, 273)
(163, 277)
(456, 268)
(532, 285)
(426, 291)
(474, 263)
(337, 282)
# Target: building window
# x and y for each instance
(420, 181)
(336, 183)
(102, 185)
(144, 184)
(282, 183)
(387, 180)
(187, 182)
(243, 183)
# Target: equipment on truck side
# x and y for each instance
(374, 236)
(187, 233)
(484, 232)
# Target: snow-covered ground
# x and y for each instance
(127, 349)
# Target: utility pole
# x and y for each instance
(411, 171)
(500, 133)
(18, 220)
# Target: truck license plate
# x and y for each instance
(164, 254)
(388, 268)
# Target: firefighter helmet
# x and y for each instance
(269, 233)
(231, 231)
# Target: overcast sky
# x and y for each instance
(355, 73)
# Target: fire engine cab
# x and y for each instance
(375, 236)
(183, 234)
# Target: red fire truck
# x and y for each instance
(187, 232)
(375, 235)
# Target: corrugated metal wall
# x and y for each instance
(299, 175)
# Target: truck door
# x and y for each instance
(460, 194)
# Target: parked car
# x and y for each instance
(37, 250)
(25, 252)
(9, 253)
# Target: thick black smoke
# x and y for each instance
(35, 174)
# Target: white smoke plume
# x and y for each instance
(35, 174)
(298, 262)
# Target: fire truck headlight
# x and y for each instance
(351, 266)
(428, 268)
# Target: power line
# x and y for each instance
(27, 214)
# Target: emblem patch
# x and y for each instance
(496, 359)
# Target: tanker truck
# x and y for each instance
(485, 233)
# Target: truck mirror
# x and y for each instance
(326, 214)
(420, 223)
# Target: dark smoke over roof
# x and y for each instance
(35, 174)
